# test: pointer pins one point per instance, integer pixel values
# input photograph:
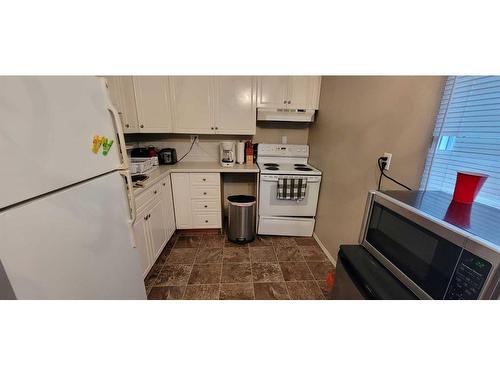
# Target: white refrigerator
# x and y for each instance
(66, 213)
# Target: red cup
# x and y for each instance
(467, 186)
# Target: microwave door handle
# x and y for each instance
(131, 203)
(117, 124)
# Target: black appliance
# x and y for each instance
(139, 152)
(414, 235)
(167, 156)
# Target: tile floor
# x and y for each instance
(205, 265)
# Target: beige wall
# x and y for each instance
(359, 119)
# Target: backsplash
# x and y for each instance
(207, 148)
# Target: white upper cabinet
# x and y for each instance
(291, 92)
(192, 101)
(235, 104)
(272, 91)
(152, 97)
(121, 92)
(303, 92)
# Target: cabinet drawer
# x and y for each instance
(205, 179)
(212, 220)
(205, 205)
(145, 197)
(205, 192)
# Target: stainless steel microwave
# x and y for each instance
(411, 235)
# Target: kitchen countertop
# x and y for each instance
(192, 167)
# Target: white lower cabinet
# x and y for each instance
(197, 200)
(155, 223)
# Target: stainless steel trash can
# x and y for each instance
(241, 225)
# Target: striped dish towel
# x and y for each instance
(291, 189)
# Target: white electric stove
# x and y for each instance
(280, 216)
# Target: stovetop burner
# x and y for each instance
(271, 165)
(272, 168)
(303, 169)
(300, 165)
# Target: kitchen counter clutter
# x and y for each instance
(161, 171)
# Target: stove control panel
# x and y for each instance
(282, 150)
(469, 277)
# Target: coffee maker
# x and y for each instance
(227, 154)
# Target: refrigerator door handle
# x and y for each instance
(121, 139)
(131, 203)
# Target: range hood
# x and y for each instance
(284, 114)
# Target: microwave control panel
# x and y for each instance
(469, 277)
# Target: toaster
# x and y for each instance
(167, 156)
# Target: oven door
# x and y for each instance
(269, 205)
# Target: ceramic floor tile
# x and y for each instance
(204, 292)
(173, 274)
(261, 241)
(182, 255)
(305, 241)
(236, 255)
(312, 254)
(187, 241)
(279, 241)
(304, 290)
(236, 273)
(208, 255)
(205, 274)
(265, 272)
(166, 292)
(295, 271)
(153, 274)
(228, 243)
(325, 289)
(262, 254)
(271, 291)
(236, 291)
(212, 241)
(289, 253)
(320, 269)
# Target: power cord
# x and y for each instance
(382, 161)
(190, 148)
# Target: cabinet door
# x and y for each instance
(153, 104)
(271, 91)
(192, 104)
(182, 200)
(157, 223)
(121, 92)
(169, 207)
(235, 105)
(303, 92)
(141, 243)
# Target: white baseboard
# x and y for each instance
(325, 250)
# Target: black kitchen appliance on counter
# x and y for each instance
(167, 156)
(428, 245)
(139, 152)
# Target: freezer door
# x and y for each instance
(72, 244)
(46, 130)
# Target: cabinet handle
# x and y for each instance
(206, 221)
(289, 102)
(284, 101)
(163, 184)
(216, 128)
(149, 216)
(206, 206)
(212, 127)
(142, 126)
(127, 125)
(204, 193)
(155, 191)
(146, 217)
(204, 179)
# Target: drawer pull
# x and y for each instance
(206, 221)
(163, 184)
(206, 206)
(155, 191)
(204, 179)
(204, 193)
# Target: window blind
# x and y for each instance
(466, 136)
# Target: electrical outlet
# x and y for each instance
(195, 138)
(388, 162)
